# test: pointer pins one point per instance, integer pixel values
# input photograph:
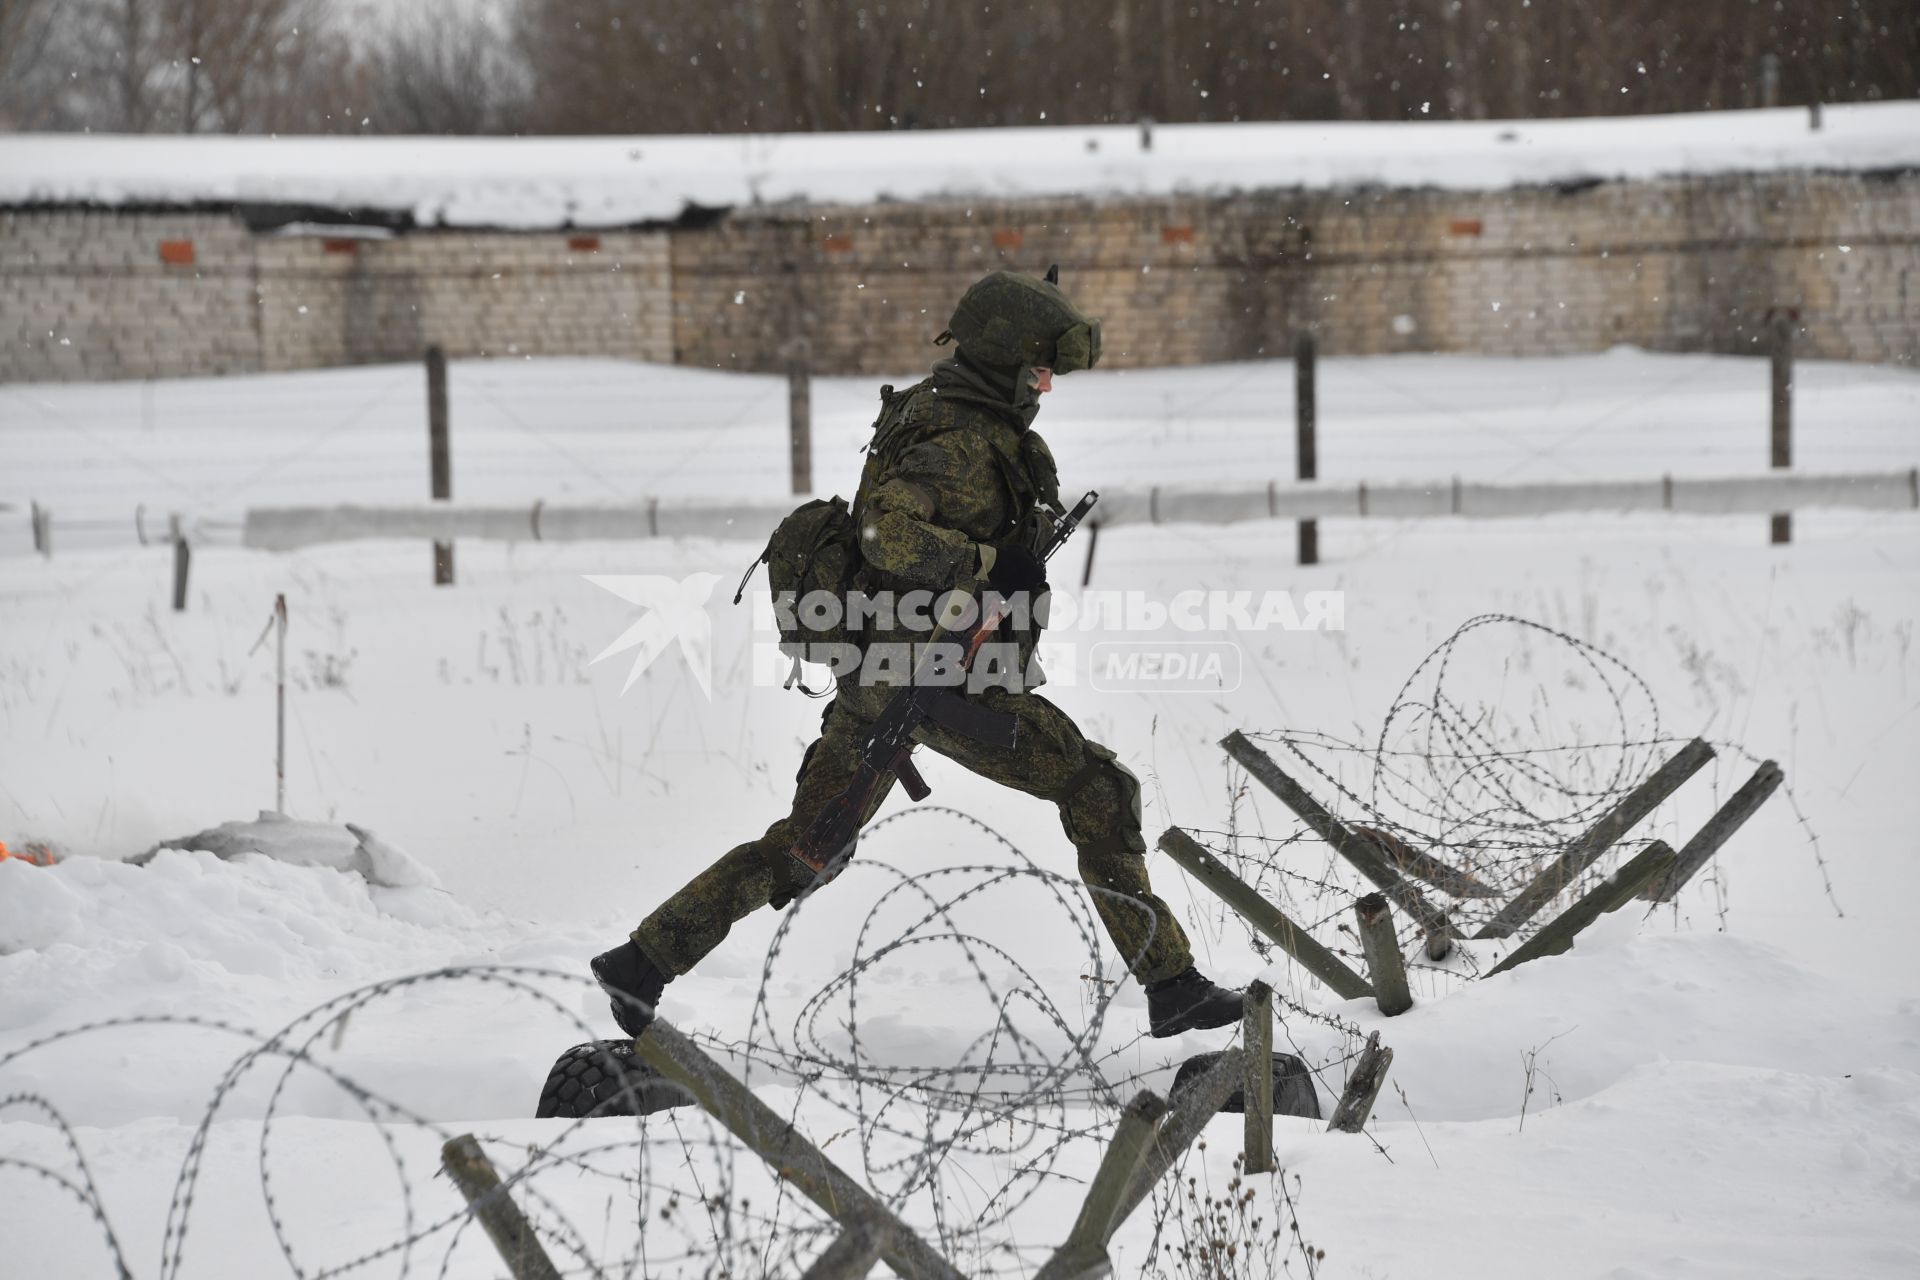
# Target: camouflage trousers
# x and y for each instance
(1098, 798)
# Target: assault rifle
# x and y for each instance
(888, 746)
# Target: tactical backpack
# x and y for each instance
(812, 550)
(816, 548)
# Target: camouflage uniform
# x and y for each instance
(953, 468)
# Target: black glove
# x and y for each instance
(1016, 569)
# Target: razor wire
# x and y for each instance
(959, 1148)
(1496, 785)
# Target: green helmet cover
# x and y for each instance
(1014, 321)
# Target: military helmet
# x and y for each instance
(1013, 321)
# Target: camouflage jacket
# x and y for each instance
(952, 463)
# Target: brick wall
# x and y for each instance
(1682, 264)
(1685, 264)
(98, 294)
(88, 295)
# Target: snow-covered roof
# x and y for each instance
(617, 181)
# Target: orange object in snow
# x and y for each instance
(34, 855)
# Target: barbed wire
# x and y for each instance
(958, 1148)
(1029, 1092)
(1496, 785)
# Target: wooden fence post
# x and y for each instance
(1364, 854)
(440, 455)
(1781, 435)
(1582, 853)
(800, 413)
(1085, 1250)
(1386, 968)
(1610, 894)
(1305, 443)
(1263, 915)
(505, 1225)
(41, 521)
(1363, 1086)
(182, 562)
(1256, 1038)
(1730, 817)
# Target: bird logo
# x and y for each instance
(674, 609)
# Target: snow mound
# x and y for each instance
(256, 945)
(310, 844)
(1621, 1003)
(243, 914)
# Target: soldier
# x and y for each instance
(948, 498)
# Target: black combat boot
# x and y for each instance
(1189, 1002)
(627, 976)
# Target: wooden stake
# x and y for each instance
(1263, 915)
(1610, 894)
(1363, 1086)
(1385, 966)
(851, 1255)
(786, 1150)
(1256, 1038)
(505, 1225)
(439, 455)
(1582, 853)
(1418, 862)
(1362, 853)
(1196, 1106)
(1731, 816)
(1085, 1250)
(182, 562)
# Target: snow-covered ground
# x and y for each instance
(586, 182)
(1727, 1088)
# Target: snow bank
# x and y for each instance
(551, 182)
(309, 844)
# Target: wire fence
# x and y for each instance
(966, 1148)
(1508, 742)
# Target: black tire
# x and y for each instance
(605, 1079)
(1293, 1091)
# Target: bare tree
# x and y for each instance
(237, 61)
(27, 29)
(452, 73)
(688, 66)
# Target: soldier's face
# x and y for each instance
(1040, 379)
